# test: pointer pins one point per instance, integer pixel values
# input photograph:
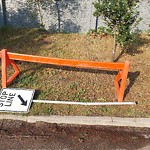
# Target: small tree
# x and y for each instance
(119, 16)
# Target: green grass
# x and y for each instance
(72, 84)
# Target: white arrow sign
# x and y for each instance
(16, 100)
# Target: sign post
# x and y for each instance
(20, 100)
(16, 100)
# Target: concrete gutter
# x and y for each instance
(82, 120)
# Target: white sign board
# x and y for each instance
(16, 100)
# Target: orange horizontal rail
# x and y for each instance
(66, 62)
(8, 58)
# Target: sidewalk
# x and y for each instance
(82, 120)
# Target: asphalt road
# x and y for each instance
(40, 135)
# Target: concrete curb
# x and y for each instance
(82, 120)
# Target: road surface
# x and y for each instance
(22, 135)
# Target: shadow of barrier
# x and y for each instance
(119, 83)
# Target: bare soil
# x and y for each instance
(40, 135)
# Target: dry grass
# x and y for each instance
(63, 83)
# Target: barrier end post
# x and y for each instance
(120, 81)
(5, 62)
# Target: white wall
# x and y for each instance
(75, 15)
(1, 15)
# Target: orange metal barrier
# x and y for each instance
(120, 81)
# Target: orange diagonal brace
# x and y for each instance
(116, 82)
(16, 73)
(120, 82)
(5, 62)
(123, 82)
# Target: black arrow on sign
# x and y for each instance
(22, 100)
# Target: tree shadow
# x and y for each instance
(22, 40)
(132, 78)
(1, 16)
(119, 56)
(69, 26)
(138, 41)
(64, 24)
(71, 6)
(64, 12)
(15, 36)
(133, 48)
(21, 18)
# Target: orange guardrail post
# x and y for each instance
(120, 80)
(4, 68)
(5, 62)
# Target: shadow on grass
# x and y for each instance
(22, 40)
(138, 41)
(120, 55)
(76, 69)
(133, 48)
(132, 78)
(30, 76)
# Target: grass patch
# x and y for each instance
(72, 84)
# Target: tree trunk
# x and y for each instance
(115, 45)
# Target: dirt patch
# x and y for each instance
(40, 135)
